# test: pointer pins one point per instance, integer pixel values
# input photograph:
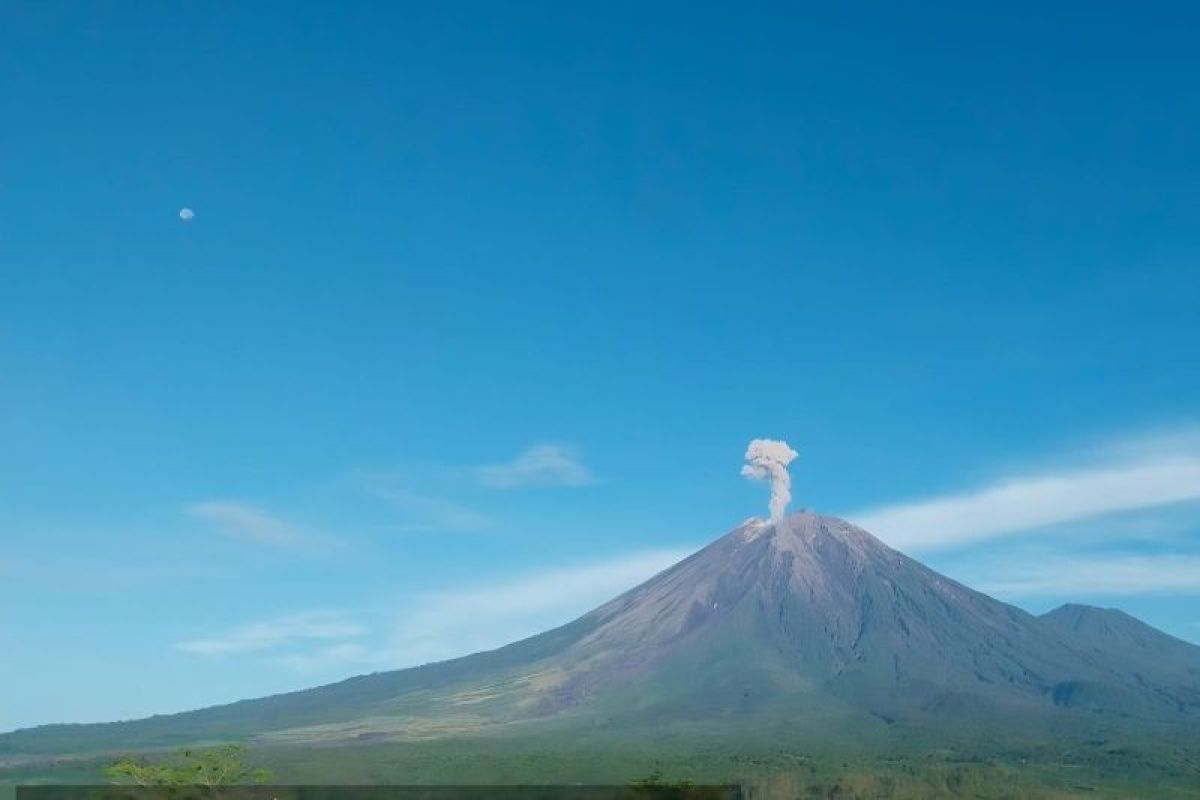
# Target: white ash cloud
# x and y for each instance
(768, 461)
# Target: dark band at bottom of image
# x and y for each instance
(644, 789)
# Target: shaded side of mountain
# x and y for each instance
(1145, 671)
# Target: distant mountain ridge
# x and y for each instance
(808, 619)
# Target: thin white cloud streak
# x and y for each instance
(440, 625)
(542, 465)
(425, 513)
(335, 656)
(1109, 575)
(1025, 503)
(245, 522)
(1159, 525)
(458, 622)
(272, 634)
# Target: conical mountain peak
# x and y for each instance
(809, 529)
(807, 614)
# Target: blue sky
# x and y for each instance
(480, 307)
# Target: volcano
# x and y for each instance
(806, 622)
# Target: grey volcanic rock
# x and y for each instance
(816, 605)
(805, 620)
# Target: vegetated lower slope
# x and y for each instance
(808, 623)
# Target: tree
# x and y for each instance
(222, 766)
(139, 773)
(218, 766)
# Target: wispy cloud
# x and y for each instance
(1134, 476)
(422, 493)
(542, 465)
(272, 634)
(444, 624)
(341, 655)
(1110, 574)
(456, 622)
(423, 512)
(245, 522)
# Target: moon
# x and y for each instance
(186, 214)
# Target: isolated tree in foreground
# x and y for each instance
(218, 766)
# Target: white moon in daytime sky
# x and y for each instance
(186, 214)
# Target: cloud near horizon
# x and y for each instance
(549, 464)
(436, 626)
(336, 655)
(446, 624)
(1158, 472)
(1067, 575)
(272, 634)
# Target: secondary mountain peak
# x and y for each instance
(1123, 639)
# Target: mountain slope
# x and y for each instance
(805, 620)
(1145, 669)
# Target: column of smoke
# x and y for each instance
(767, 460)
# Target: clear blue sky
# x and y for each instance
(937, 249)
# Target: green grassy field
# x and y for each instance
(768, 766)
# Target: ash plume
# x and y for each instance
(767, 460)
